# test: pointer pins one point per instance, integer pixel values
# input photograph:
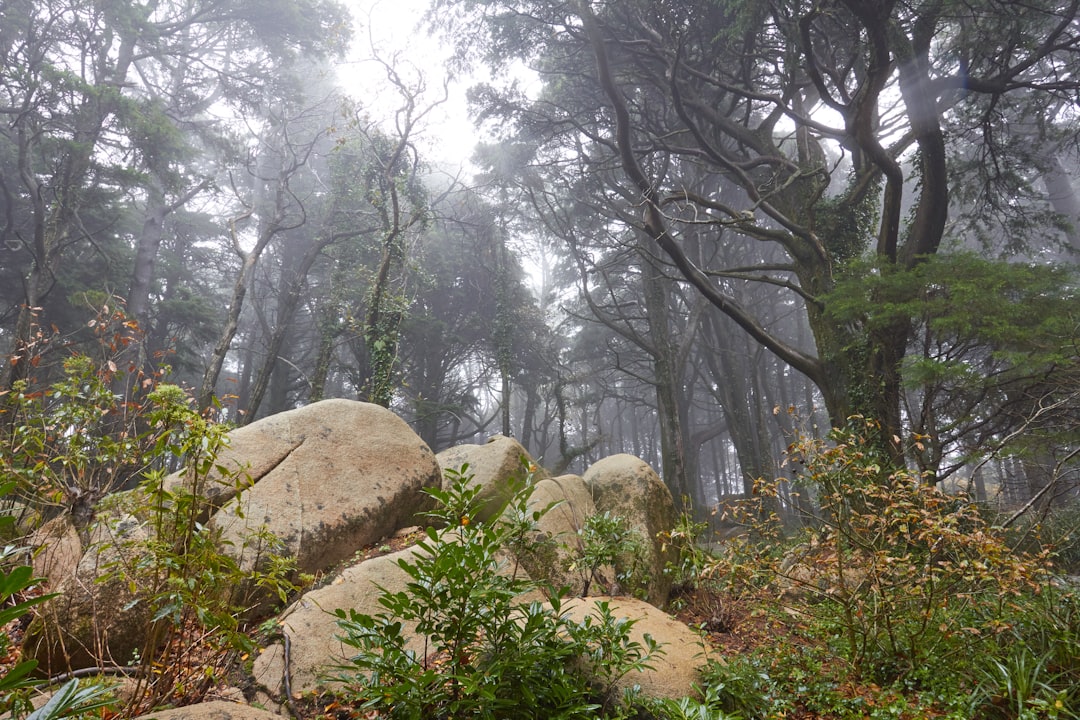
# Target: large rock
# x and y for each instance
(216, 710)
(315, 650)
(625, 485)
(329, 479)
(497, 467)
(675, 670)
(100, 615)
(547, 558)
(57, 550)
(312, 627)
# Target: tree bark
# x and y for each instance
(294, 279)
(668, 377)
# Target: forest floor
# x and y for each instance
(768, 628)
(736, 626)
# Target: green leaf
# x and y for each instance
(71, 699)
(15, 677)
(19, 578)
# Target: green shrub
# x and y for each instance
(486, 655)
(1021, 685)
(743, 687)
(529, 547)
(71, 444)
(691, 561)
(188, 577)
(607, 540)
(69, 447)
(16, 580)
(709, 707)
(905, 573)
(1030, 669)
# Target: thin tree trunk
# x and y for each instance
(288, 301)
(668, 380)
(248, 260)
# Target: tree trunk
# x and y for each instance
(1063, 198)
(249, 259)
(207, 389)
(528, 420)
(294, 276)
(322, 367)
(668, 381)
(733, 373)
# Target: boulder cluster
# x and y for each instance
(324, 482)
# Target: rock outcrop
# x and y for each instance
(625, 485)
(100, 613)
(325, 481)
(58, 550)
(216, 710)
(497, 467)
(556, 540)
(676, 669)
(343, 475)
(312, 626)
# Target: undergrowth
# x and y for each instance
(895, 600)
(905, 602)
(77, 450)
(482, 652)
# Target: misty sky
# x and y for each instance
(392, 29)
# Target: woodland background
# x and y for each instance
(702, 228)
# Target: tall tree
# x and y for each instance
(398, 198)
(273, 205)
(97, 96)
(838, 125)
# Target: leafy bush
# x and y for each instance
(902, 588)
(73, 700)
(907, 573)
(743, 687)
(710, 707)
(1031, 670)
(70, 446)
(16, 580)
(72, 435)
(187, 576)
(485, 655)
(748, 560)
(691, 561)
(529, 547)
(1021, 685)
(806, 679)
(607, 540)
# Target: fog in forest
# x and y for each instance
(691, 232)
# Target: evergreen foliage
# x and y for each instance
(485, 653)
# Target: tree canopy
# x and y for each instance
(804, 146)
(702, 226)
